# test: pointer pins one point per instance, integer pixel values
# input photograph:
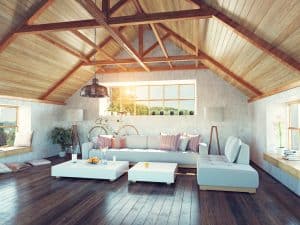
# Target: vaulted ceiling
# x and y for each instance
(47, 46)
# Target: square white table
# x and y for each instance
(82, 169)
(156, 172)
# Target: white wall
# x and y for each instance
(263, 113)
(211, 91)
(41, 119)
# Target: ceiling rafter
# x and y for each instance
(75, 68)
(117, 6)
(160, 68)
(116, 35)
(155, 45)
(179, 58)
(117, 21)
(141, 40)
(208, 61)
(252, 38)
(36, 11)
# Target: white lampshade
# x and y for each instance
(73, 115)
(214, 114)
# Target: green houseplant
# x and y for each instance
(63, 137)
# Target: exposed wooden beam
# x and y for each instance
(179, 58)
(116, 35)
(93, 45)
(141, 40)
(162, 46)
(158, 68)
(276, 91)
(208, 61)
(251, 37)
(35, 12)
(106, 8)
(155, 45)
(63, 47)
(138, 6)
(117, 6)
(117, 21)
(159, 17)
(196, 39)
(75, 68)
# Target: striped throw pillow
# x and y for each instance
(194, 143)
(169, 142)
(104, 141)
(118, 142)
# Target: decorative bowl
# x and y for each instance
(94, 160)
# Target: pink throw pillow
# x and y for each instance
(118, 142)
(194, 142)
(169, 142)
(104, 141)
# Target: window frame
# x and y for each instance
(290, 127)
(17, 119)
(163, 99)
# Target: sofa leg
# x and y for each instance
(232, 189)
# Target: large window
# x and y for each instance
(8, 124)
(294, 125)
(156, 99)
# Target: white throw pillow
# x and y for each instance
(23, 139)
(183, 143)
(153, 142)
(232, 148)
(4, 168)
(136, 141)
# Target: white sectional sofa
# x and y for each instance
(229, 172)
(141, 148)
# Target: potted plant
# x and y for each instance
(63, 137)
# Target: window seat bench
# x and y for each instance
(13, 150)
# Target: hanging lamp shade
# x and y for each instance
(94, 90)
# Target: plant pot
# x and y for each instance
(180, 113)
(161, 113)
(62, 154)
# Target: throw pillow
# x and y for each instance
(169, 142)
(232, 148)
(183, 143)
(23, 139)
(4, 168)
(104, 141)
(39, 162)
(118, 142)
(194, 141)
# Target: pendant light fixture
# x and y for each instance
(94, 90)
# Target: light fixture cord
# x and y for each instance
(95, 41)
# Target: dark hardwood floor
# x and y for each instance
(33, 197)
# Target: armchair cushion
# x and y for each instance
(232, 148)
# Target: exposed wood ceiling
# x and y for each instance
(47, 46)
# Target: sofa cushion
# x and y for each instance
(136, 141)
(169, 142)
(118, 142)
(232, 148)
(104, 141)
(153, 142)
(183, 143)
(23, 139)
(194, 141)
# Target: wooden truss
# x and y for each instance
(116, 25)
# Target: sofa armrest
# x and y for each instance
(86, 147)
(203, 148)
(244, 155)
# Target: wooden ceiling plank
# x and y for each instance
(36, 11)
(117, 6)
(63, 47)
(155, 45)
(159, 68)
(196, 39)
(252, 38)
(162, 46)
(117, 36)
(105, 7)
(179, 58)
(141, 40)
(75, 68)
(214, 62)
(117, 21)
(276, 91)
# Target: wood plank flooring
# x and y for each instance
(33, 197)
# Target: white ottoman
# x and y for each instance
(156, 172)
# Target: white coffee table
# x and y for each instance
(156, 172)
(83, 169)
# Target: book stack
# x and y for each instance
(290, 154)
